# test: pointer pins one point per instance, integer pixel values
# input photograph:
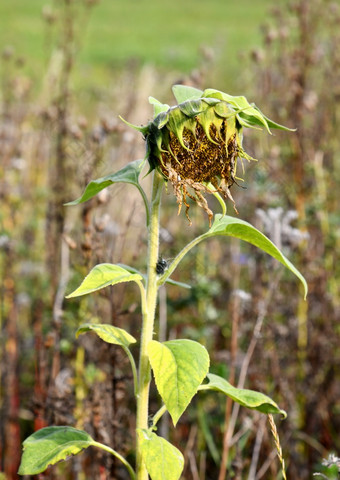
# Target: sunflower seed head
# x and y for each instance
(197, 143)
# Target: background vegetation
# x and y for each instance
(67, 70)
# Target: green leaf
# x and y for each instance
(223, 109)
(248, 124)
(179, 367)
(161, 120)
(177, 284)
(130, 269)
(103, 275)
(51, 445)
(246, 398)
(251, 114)
(234, 227)
(191, 108)
(142, 129)
(128, 174)
(183, 93)
(162, 460)
(254, 120)
(211, 101)
(108, 333)
(177, 123)
(240, 102)
(158, 106)
(160, 282)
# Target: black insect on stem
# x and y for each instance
(161, 266)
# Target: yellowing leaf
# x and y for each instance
(103, 275)
(179, 367)
(162, 460)
(108, 333)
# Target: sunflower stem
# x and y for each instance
(148, 314)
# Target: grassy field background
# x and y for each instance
(167, 34)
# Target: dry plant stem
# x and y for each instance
(263, 470)
(148, 313)
(262, 312)
(257, 448)
(190, 447)
(235, 313)
(193, 466)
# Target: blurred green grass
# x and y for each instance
(168, 34)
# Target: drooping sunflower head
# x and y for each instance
(196, 144)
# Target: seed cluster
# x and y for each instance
(203, 161)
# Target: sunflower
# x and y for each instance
(196, 144)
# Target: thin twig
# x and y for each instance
(58, 305)
(266, 465)
(203, 465)
(63, 280)
(193, 466)
(257, 448)
(262, 312)
(190, 444)
(235, 315)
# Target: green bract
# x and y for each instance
(196, 144)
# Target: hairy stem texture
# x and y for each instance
(148, 313)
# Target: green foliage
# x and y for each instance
(128, 174)
(179, 367)
(225, 225)
(114, 336)
(249, 115)
(183, 93)
(163, 461)
(234, 227)
(103, 275)
(51, 445)
(108, 333)
(246, 398)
